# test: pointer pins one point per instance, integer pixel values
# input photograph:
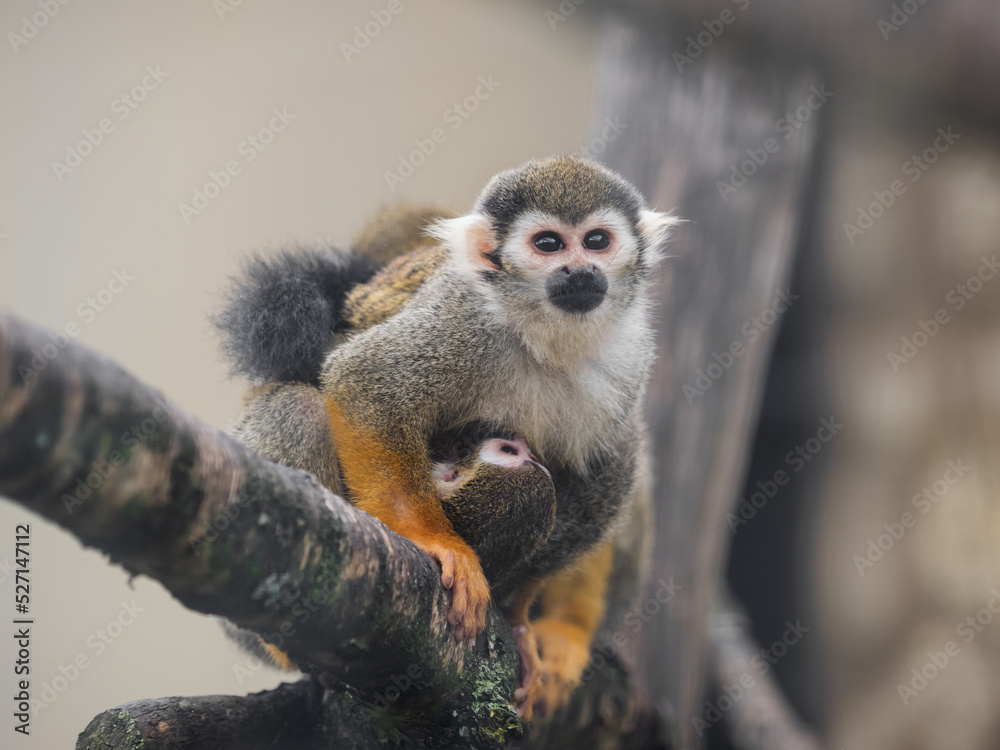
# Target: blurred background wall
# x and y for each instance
(182, 87)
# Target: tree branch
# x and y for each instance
(271, 720)
(229, 533)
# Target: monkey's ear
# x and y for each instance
(470, 237)
(655, 227)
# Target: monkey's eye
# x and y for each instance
(596, 240)
(549, 242)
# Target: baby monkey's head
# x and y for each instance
(498, 498)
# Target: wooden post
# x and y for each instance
(695, 138)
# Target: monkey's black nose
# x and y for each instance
(577, 290)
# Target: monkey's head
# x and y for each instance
(563, 244)
(501, 501)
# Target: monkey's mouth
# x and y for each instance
(577, 291)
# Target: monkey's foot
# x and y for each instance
(564, 649)
(462, 573)
(528, 689)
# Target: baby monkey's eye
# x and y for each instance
(596, 240)
(549, 242)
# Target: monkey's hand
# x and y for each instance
(462, 573)
(423, 522)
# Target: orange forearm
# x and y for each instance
(392, 483)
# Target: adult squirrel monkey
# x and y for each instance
(528, 316)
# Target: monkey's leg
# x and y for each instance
(390, 479)
(572, 603)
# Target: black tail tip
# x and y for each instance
(279, 317)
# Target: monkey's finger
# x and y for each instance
(447, 561)
(470, 618)
(481, 614)
(472, 626)
(459, 604)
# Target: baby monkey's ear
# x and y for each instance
(470, 238)
(655, 226)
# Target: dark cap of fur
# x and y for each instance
(279, 317)
(564, 186)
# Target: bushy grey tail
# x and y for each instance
(280, 316)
